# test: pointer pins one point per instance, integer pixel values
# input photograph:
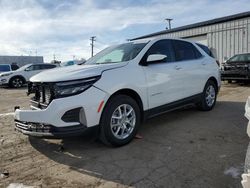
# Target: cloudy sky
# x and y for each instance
(63, 27)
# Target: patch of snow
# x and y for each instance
(19, 185)
(7, 114)
(234, 172)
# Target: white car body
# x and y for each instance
(155, 85)
(246, 176)
(24, 73)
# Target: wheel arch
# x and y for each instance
(17, 76)
(215, 81)
(131, 93)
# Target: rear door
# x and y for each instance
(191, 65)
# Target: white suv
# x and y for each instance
(118, 88)
(19, 77)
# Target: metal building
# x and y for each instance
(20, 60)
(225, 36)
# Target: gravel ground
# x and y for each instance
(184, 148)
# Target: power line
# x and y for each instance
(92, 39)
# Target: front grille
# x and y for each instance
(43, 94)
(236, 67)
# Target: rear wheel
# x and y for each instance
(120, 121)
(209, 96)
(17, 82)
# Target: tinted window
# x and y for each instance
(206, 49)
(163, 47)
(47, 66)
(241, 57)
(185, 51)
(33, 68)
(4, 68)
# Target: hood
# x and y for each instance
(74, 72)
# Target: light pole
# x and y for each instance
(92, 39)
(169, 22)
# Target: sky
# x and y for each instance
(62, 28)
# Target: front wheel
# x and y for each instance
(208, 97)
(16, 82)
(120, 121)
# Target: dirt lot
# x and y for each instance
(185, 148)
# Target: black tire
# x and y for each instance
(107, 135)
(16, 82)
(205, 104)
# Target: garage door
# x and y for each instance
(202, 39)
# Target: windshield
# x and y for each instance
(117, 54)
(4, 68)
(241, 57)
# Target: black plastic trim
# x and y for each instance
(172, 106)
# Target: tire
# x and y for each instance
(208, 97)
(113, 116)
(16, 82)
(229, 81)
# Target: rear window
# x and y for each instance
(205, 49)
(185, 51)
(4, 68)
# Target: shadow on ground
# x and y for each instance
(184, 148)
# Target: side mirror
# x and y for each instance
(156, 58)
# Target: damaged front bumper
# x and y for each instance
(63, 117)
(48, 131)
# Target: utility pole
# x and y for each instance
(92, 39)
(169, 22)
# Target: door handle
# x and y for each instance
(178, 68)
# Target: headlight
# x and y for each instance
(68, 88)
(5, 74)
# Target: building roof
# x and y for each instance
(199, 24)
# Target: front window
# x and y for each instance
(241, 57)
(117, 54)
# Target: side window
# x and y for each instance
(185, 51)
(163, 47)
(37, 67)
(46, 66)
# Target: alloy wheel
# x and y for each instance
(123, 121)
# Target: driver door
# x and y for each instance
(164, 80)
(31, 71)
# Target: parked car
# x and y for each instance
(118, 88)
(20, 76)
(236, 68)
(8, 67)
